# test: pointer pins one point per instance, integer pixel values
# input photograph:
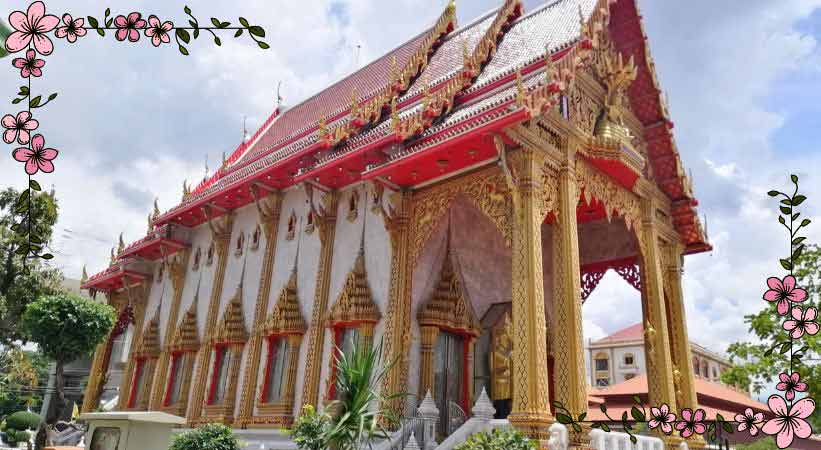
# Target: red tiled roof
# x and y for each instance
(630, 333)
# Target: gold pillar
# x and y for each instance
(426, 359)
(398, 329)
(139, 321)
(294, 342)
(221, 234)
(177, 268)
(656, 332)
(269, 216)
(326, 220)
(96, 380)
(530, 412)
(568, 348)
(682, 357)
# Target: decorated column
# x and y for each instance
(177, 266)
(137, 299)
(530, 411)
(102, 359)
(656, 331)
(269, 213)
(397, 332)
(568, 350)
(325, 217)
(221, 234)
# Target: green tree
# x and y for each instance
(757, 364)
(23, 376)
(209, 437)
(66, 327)
(22, 281)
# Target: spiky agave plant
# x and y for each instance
(357, 419)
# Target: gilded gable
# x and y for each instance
(448, 307)
(286, 317)
(355, 303)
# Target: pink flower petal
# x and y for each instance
(783, 307)
(165, 38)
(23, 137)
(31, 166)
(700, 428)
(741, 424)
(9, 136)
(61, 32)
(17, 20)
(783, 377)
(802, 429)
(22, 154)
(167, 26)
(666, 428)
(790, 395)
(795, 377)
(797, 313)
(36, 72)
(798, 295)
(797, 333)
(811, 328)
(19, 63)
(67, 19)
(23, 116)
(156, 41)
(777, 405)
(37, 142)
(133, 35)
(47, 23)
(771, 295)
(43, 44)
(36, 12)
(154, 21)
(122, 33)
(31, 124)
(25, 72)
(803, 408)
(790, 325)
(45, 166)
(775, 284)
(789, 283)
(72, 38)
(759, 417)
(120, 21)
(781, 386)
(773, 426)
(753, 430)
(8, 121)
(785, 437)
(80, 31)
(49, 154)
(801, 387)
(133, 17)
(17, 41)
(38, 63)
(810, 314)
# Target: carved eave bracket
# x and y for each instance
(355, 303)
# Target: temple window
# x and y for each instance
(352, 318)
(255, 237)
(137, 383)
(226, 351)
(197, 257)
(145, 358)
(175, 382)
(289, 236)
(602, 364)
(219, 380)
(449, 330)
(602, 382)
(353, 206)
(183, 348)
(284, 328)
(240, 244)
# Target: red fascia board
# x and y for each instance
(502, 122)
(386, 140)
(173, 243)
(114, 276)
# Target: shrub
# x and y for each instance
(309, 429)
(498, 440)
(208, 437)
(23, 420)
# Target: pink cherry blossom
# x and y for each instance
(33, 25)
(30, 65)
(750, 420)
(129, 26)
(791, 384)
(18, 127)
(784, 292)
(158, 31)
(662, 417)
(803, 321)
(789, 421)
(37, 157)
(72, 29)
(691, 423)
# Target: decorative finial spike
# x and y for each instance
(84, 278)
(156, 208)
(113, 258)
(120, 245)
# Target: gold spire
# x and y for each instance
(156, 213)
(113, 258)
(354, 102)
(395, 121)
(550, 67)
(84, 278)
(466, 55)
(185, 190)
(150, 225)
(224, 159)
(451, 7)
(120, 245)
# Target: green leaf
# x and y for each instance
(605, 427)
(797, 253)
(785, 347)
(225, 24)
(35, 102)
(196, 33)
(23, 249)
(47, 256)
(637, 399)
(238, 33)
(107, 12)
(244, 22)
(624, 416)
(52, 96)
(795, 216)
(633, 439)
(217, 41)
(787, 202)
(35, 185)
(782, 220)
(182, 33)
(563, 419)
(257, 31)
(109, 22)
(101, 32)
(23, 199)
(799, 199)
(215, 21)
(558, 405)
(786, 264)
(263, 45)
(24, 90)
(17, 100)
(794, 178)
(581, 417)
(805, 222)
(577, 428)
(798, 240)
(773, 193)
(35, 240)
(93, 22)
(183, 50)
(637, 414)
(603, 408)
(187, 10)
(785, 210)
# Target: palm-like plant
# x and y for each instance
(357, 418)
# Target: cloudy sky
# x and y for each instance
(132, 122)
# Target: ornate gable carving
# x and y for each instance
(449, 308)
(149, 345)
(186, 338)
(355, 303)
(286, 317)
(232, 327)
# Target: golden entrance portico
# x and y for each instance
(457, 199)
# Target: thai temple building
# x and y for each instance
(455, 201)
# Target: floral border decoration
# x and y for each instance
(788, 418)
(30, 35)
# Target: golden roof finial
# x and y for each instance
(394, 70)
(323, 125)
(520, 88)
(113, 258)
(150, 225)
(156, 213)
(451, 7)
(466, 54)
(550, 66)
(394, 115)
(224, 159)
(84, 278)
(354, 102)
(120, 245)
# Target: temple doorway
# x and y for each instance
(449, 375)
